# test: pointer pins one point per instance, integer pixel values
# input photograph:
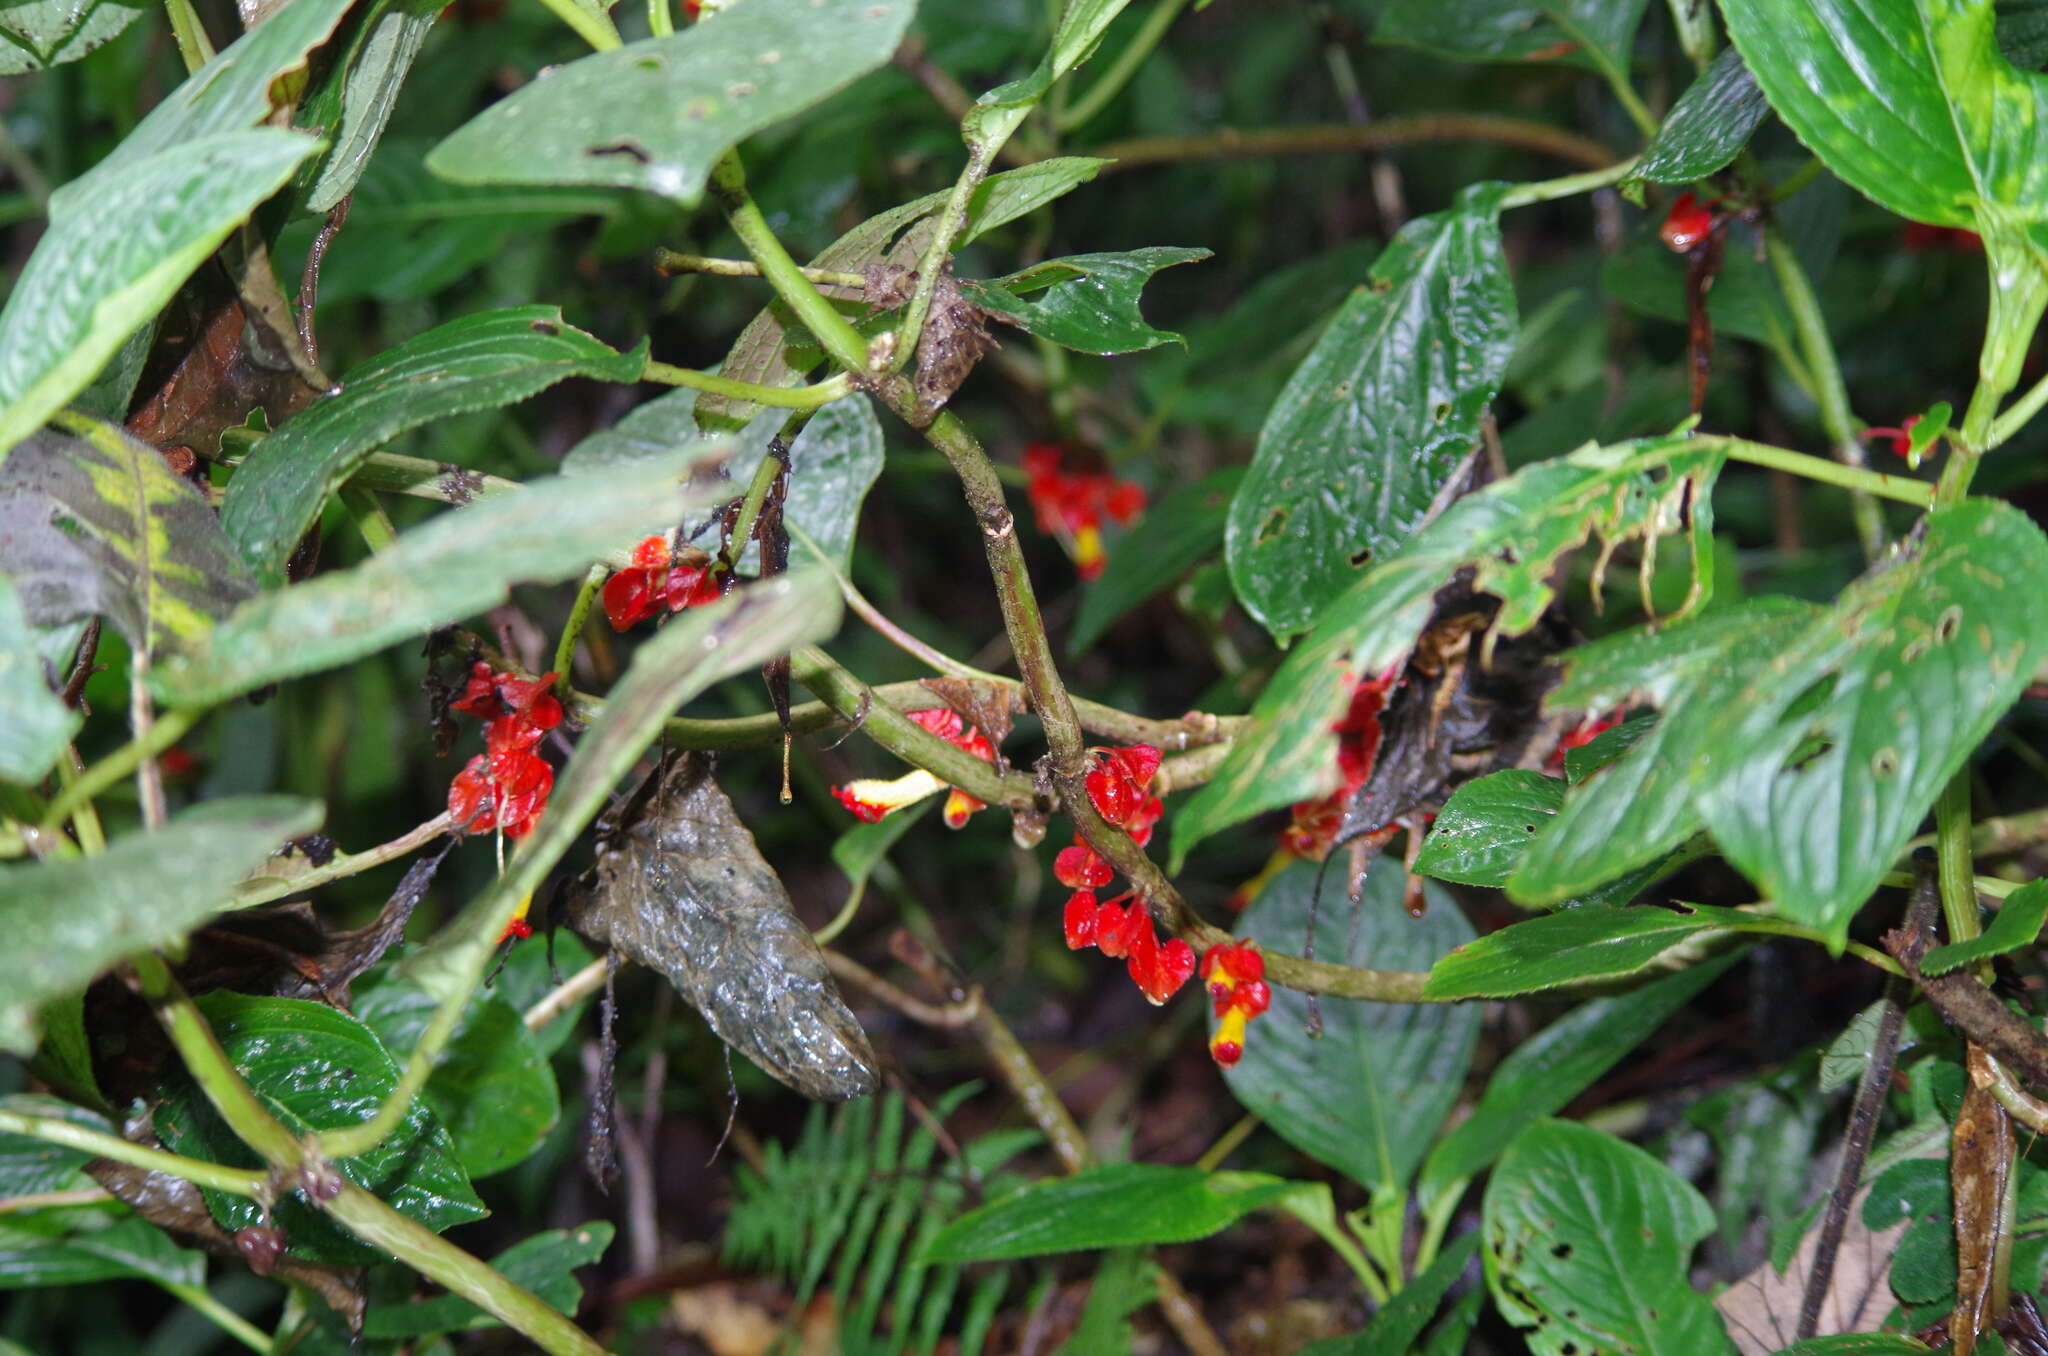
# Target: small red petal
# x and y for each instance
(1124, 501)
(941, 721)
(1139, 762)
(1254, 997)
(865, 812)
(1079, 868)
(518, 930)
(1112, 794)
(1080, 919)
(627, 599)
(1227, 1053)
(651, 553)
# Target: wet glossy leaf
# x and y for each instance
(38, 724)
(1361, 446)
(145, 890)
(1400, 1321)
(360, 101)
(1515, 30)
(75, 1246)
(43, 33)
(655, 115)
(100, 526)
(544, 1264)
(1569, 947)
(1897, 682)
(317, 1069)
(1369, 1095)
(2016, 924)
(1487, 825)
(1086, 302)
(997, 113)
(1115, 1205)
(1178, 531)
(1587, 1242)
(30, 1166)
(1511, 534)
(493, 1088)
(459, 563)
(1546, 1071)
(478, 362)
(1707, 127)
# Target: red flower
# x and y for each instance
(1081, 919)
(1687, 223)
(869, 798)
(1072, 504)
(1580, 735)
(506, 786)
(1901, 437)
(1080, 868)
(1236, 975)
(518, 930)
(1921, 238)
(655, 581)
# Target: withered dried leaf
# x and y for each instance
(986, 706)
(681, 888)
(1762, 1309)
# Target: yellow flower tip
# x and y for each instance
(872, 797)
(1227, 1045)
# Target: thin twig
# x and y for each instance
(1338, 138)
(958, 1014)
(566, 995)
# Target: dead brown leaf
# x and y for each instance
(1762, 1309)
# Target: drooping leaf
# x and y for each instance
(544, 1264)
(1587, 1241)
(997, 113)
(1086, 302)
(39, 34)
(1515, 30)
(145, 890)
(1365, 440)
(2016, 924)
(492, 1089)
(99, 526)
(655, 115)
(360, 100)
(1115, 1205)
(477, 362)
(315, 1068)
(1570, 947)
(1546, 1071)
(38, 724)
(1400, 1321)
(1707, 127)
(459, 563)
(1510, 533)
(77, 1246)
(1180, 529)
(1369, 1095)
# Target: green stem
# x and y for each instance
(57, 1130)
(168, 728)
(1381, 134)
(1958, 869)
(780, 397)
(594, 28)
(660, 20)
(1112, 81)
(1436, 1222)
(572, 630)
(2018, 296)
(418, 478)
(2018, 415)
(931, 266)
(1340, 1243)
(1546, 190)
(263, 889)
(85, 819)
(194, 47)
(669, 261)
(840, 339)
(201, 1300)
(763, 481)
(1616, 78)
(370, 518)
(1904, 489)
(1829, 391)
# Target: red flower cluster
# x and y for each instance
(1237, 987)
(653, 581)
(872, 797)
(1071, 504)
(1580, 735)
(506, 786)
(1314, 825)
(1121, 928)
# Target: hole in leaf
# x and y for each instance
(1884, 763)
(1562, 1252)
(625, 148)
(1361, 557)
(1441, 411)
(1949, 625)
(1810, 700)
(1276, 522)
(547, 327)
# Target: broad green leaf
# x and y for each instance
(1857, 1344)
(459, 563)
(1550, 1068)
(1587, 1242)
(39, 34)
(1707, 127)
(1400, 1321)
(1641, 805)
(1570, 947)
(146, 890)
(1086, 302)
(656, 115)
(38, 724)
(492, 1088)
(530, 974)
(1515, 30)
(762, 353)
(1182, 528)
(544, 1264)
(1510, 534)
(1603, 748)
(1360, 448)
(76, 1246)
(100, 526)
(1369, 1096)
(1113, 1206)
(361, 98)
(2016, 924)
(1897, 682)
(315, 1068)
(1487, 825)
(474, 363)
(30, 1166)
(997, 113)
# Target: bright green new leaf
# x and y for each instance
(1599, 31)
(1375, 424)
(38, 723)
(2016, 924)
(474, 363)
(544, 1263)
(1113, 1206)
(1587, 1241)
(1707, 127)
(656, 115)
(1179, 530)
(1086, 302)
(1570, 947)
(43, 33)
(146, 890)
(1369, 1096)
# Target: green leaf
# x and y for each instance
(1546, 1071)
(1744, 303)
(1400, 1320)
(477, 362)
(1587, 1241)
(1857, 1344)
(1707, 127)
(997, 113)
(1514, 30)
(72, 1247)
(43, 33)
(360, 100)
(31, 1166)
(544, 1264)
(101, 526)
(38, 723)
(1113, 1206)
(1603, 748)
(2016, 924)
(1486, 826)
(1510, 534)
(528, 975)
(1369, 1096)
(317, 1069)
(493, 1087)
(656, 115)
(146, 890)
(1898, 682)
(1848, 1054)
(1569, 947)
(459, 563)
(1359, 449)
(1180, 529)
(1086, 302)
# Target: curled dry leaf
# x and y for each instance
(1762, 1309)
